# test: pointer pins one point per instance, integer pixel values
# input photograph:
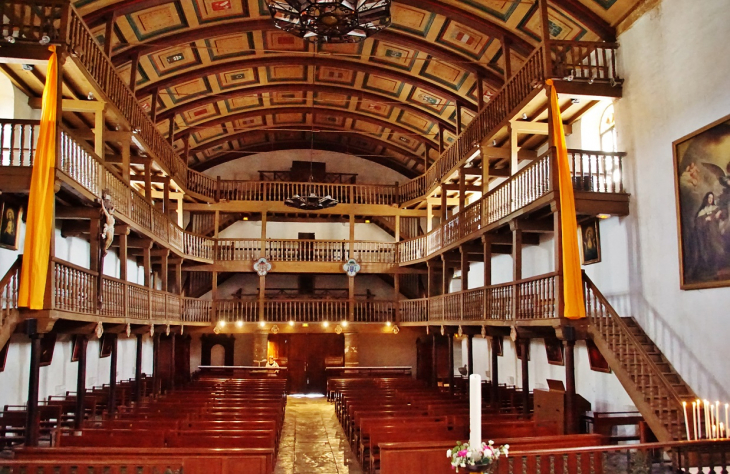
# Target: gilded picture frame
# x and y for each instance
(590, 242)
(9, 220)
(702, 196)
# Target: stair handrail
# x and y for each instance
(616, 318)
(13, 272)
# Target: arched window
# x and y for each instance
(607, 130)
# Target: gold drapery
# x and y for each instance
(39, 221)
(572, 277)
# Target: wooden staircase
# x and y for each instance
(9, 314)
(653, 384)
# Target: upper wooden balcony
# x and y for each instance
(587, 68)
(83, 176)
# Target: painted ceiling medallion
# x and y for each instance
(262, 266)
(331, 21)
(351, 267)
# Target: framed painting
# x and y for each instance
(702, 191)
(554, 350)
(78, 345)
(105, 345)
(9, 220)
(590, 242)
(596, 360)
(48, 344)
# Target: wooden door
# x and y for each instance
(306, 356)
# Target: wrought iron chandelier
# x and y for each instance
(311, 202)
(331, 21)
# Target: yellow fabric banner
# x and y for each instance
(39, 221)
(572, 276)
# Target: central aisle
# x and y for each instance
(313, 441)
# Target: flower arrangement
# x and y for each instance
(463, 456)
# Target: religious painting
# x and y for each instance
(76, 348)
(48, 344)
(498, 341)
(105, 345)
(9, 225)
(702, 182)
(4, 356)
(590, 244)
(554, 350)
(596, 360)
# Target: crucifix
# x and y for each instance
(105, 240)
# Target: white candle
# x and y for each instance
(708, 426)
(726, 423)
(686, 421)
(717, 417)
(475, 411)
(712, 420)
(721, 432)
(694, 418)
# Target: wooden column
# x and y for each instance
(543, 5)
(133, 73)
(172, 361)
(451, 362)
(178, 276)
(525, 376)
(147, 263)
(171, 130)
(571, 421)
(469, 354)
(108, 34)
(166, 197)
(94, 241)
(156, 365)
(431, 287)
(507, 55)
(138, 372)
(429, 215)
(425, 159)
(214, 295)
(462, 191)
(153, 105)
(32, 421)
(464, 268)
(99, 132)
(441, 140)
(487, 268)
(148, 180)
(458, 118)
(113, 376)
(434, 362)
(123, 257)
(262, 279)
(80, 383)
(444, 204)
(495, 373)
(516, 268)
(480, 92)
(444, 275)
(485, 173)
(164, 268)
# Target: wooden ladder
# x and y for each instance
(653, 384)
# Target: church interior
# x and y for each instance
(348, 236)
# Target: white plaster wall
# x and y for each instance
(60, 376)
(248, 168)
(322, 231)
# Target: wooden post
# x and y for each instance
(444, 204)
(138, 372)
(147, 264)
(166, 198)
(126, 145)
(469, 354)
(425, 159)
(178, 277)
(80, 383)
(171, 130)
(545, 37)
(485, 173)
(464, 268)
(444, 275)
(351, 298)
(148, 180)
(153, 105)
(451, 363)
(397, 229)
(32, 422)
(172, 361)
(156, 365)
(108, 33)
(571, 422)
(99, 133)
(214, 295)
(507, 59)
(525, 377)
(123, 256)
(487, 268)
(480, 92)
(462, 196)
(495, 373)
(441, 140)
(434, 362)
(429, 216)
(133, 73)
(396, 291)
(262, 279)
(94, 253)
(430, 288)
(351, 244)
(113, 376)
(516, 269)
(458, 118)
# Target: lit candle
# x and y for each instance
(714, 431)
(686, 421)
(712, 420)
(475, 411)
(708, 427)
(694, 418)
(726, 423)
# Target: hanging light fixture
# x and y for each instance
(331, 21)
(312, 201)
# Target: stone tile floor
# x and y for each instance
(312, 440)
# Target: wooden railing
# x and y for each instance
(283, 250)
(597, 171)
(74, 289)
(374, 311)
(338, 178)
(583, 60)
(303, 250)
(9, 290)
(18, 140)
(234, 190)
(658, 392)
(414, 311)
(304, 311)
(232, 311)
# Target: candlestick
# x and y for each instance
(686, 421)
(475, 412)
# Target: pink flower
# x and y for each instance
(462, 453)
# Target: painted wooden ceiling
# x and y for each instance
(233, 83)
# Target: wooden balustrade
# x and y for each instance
(303, 310)
(336, 178)
(202, 184)
(9, 290)
(414, 311)
(238, 249)
(597, 171)
(375, 252)
(79, 163)
(74, 290)
(195, 310)
(537, 298)
(233, 311)
(303, 250)
(583, 60)
(18, 140)
(234, 190)
(413, 249)
(374, 311)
